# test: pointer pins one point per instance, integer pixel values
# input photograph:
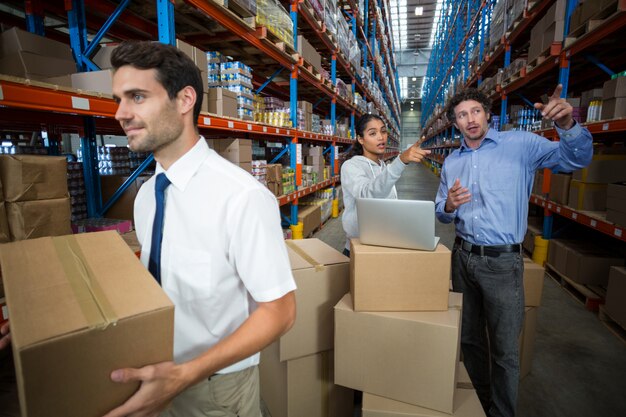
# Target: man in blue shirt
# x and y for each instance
(485, 187)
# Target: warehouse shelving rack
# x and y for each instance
(565, 62)
(58, 109)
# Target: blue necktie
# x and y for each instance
(154, 265)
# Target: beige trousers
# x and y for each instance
(228, 395)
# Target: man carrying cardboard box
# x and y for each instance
(212, 239)
(485, 187)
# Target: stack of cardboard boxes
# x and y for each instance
(614, 98)
(36, 198)
(297, 371)
(237, 151)
(588, 188)
(548, 31)
(615, 295)
(315, 159)
(616, 203)
(397, 333)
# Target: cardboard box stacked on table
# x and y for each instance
(36, 199)
(297, 371)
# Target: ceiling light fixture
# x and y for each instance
(414, 79)
(419, 10)
(412, 102)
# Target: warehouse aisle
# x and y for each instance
(579, 366)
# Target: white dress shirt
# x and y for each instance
(223, 249)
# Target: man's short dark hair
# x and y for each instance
(174, 69)
(468, 94)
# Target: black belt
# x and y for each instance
(493, 251)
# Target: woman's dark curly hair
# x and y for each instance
(469, 94)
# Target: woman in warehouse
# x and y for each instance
(365, 174)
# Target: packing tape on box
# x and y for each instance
(318, 266)
(90, 297)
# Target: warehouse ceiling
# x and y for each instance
(413, 37)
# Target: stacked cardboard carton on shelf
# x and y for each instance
(237, 151)
(614, 98)
(36, 197)
(546, 32)
(588, 188)
(615, 295)
(616, 203)
(297, 371)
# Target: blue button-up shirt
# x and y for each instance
(499, 175)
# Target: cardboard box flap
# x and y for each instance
(72, 283)
(307, 253)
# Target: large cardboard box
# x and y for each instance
(405, 356)
(311, 218)
(309, 53)
(322, 277)
(533, 283)
(37, 67)
(535, 228)
(557, 255)
(616, 294)
(80, 307)
(16, 40)
(393, 279)
(616, 203)
(302, 387)
(98, 81)
(614, 108)
(33, 177)
(527, 340)
(617, 217)
(587, 196)
(102, 58)
(588, 264)
(603, 169)
(39, 218)
(559, 188)
(553, 34)
(235, 150)
(125, 204)
(615, 87)
(466, 404)
(222, 102)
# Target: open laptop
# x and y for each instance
(397, 223)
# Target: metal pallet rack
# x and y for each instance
(579, 63)
(207, 24)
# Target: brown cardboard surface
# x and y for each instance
(102, 58)
(309, 53)
(405, 356)
(587, 196)
(199, 57)
(535, 228)
(614, 108)
(5, 232)
(393, 279)
(311, 217)
(222, 102)
(322, 278)
(559, 188)
(235, 150)
(616, 294)
(133, 243)
(617, 217)
(61, 80)
(80, 307)
(462, 377)
(37, 67)
(614, 88)
(17, 40)
(98, 81)
(302, 387)
(124, 206)
(466, 404)
(527, 340)
(32, 219)
(553, 33)
(33, 177)
(533, 283)
(588, 264)
(603, 169)
(617, 190)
